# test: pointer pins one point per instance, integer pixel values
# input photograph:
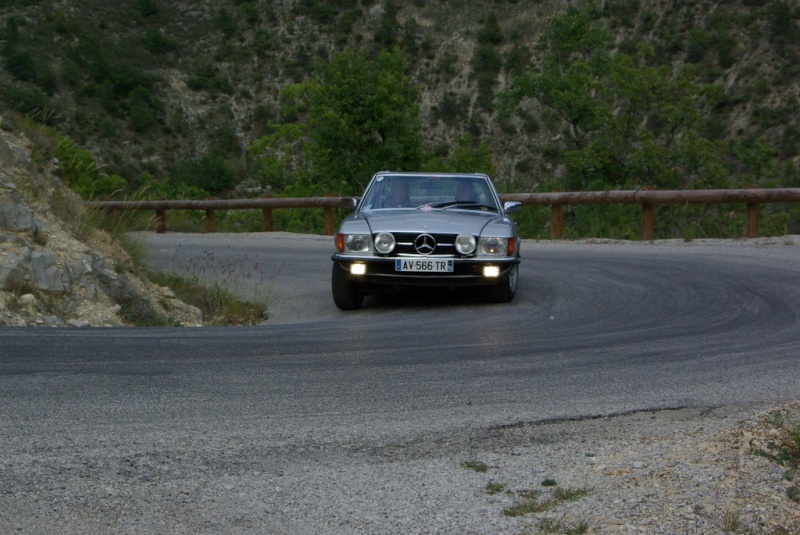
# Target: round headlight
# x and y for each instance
(356, 243)
(465, 243)
(384, 242)
(493, 246)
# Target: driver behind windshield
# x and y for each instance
(398, 196)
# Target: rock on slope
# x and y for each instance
(55, 269)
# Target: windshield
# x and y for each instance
(429, 191)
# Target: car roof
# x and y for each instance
(432, 173)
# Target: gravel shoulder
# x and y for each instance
(673, 471)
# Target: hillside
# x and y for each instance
(154, 88)
(56, 268)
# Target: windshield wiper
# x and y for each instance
(466, 205)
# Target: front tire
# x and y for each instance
(504, 292)
(346, 293)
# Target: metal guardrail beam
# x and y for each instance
(648, 199)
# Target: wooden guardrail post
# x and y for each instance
(648, 221)
(266, 220)
(211, 224)
(556, 221)
(161, 221)
(266, 217)
(330, 217)
(751, 220)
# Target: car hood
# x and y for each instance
(445, 221)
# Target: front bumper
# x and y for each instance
(466, 271)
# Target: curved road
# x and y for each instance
(596, 329)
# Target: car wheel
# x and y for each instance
(346, 293)
(504, 292)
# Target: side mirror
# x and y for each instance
(512, 207)
(349, 202)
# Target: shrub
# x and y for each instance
(147, 8)
(490, 33)
(157, 43)
(212, 173)
(32, 102)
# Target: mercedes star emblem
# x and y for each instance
(425, 244)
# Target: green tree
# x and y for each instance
(623, 123)
(386, 34)
(491, 33)
(469, 156)
(356, 115)
(487, 61)
(212, 173)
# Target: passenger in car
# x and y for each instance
(465, 192)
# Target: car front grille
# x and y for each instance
(445, 244)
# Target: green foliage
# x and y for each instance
(518, 60)
(225, 22)
(452, 108)
(699, 43)
(726, 50)
(213, 173)
(320, 11)
(784, 449)
(493, 487)
(534, 501)
(782, 15)
(82, 173)
(206, 77)
(388, 28)
(356, 116)
(142, 109)
(625, 123)
(31, 102)
(11, 36)
(487, 61)
(147, 8)
(218, 305)
(23, 63)
(490, 33)
(475, 466)
(151, 188)
(136, 309)
(469, 156)
(157, 43)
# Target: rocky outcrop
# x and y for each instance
(55, 269)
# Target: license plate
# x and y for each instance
(430, 266)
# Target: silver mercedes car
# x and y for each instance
(426, 229)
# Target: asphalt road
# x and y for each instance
(596, 329)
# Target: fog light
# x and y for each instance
(491, 271)
(358, 269)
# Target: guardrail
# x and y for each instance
(266, 205)
(648, 199)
